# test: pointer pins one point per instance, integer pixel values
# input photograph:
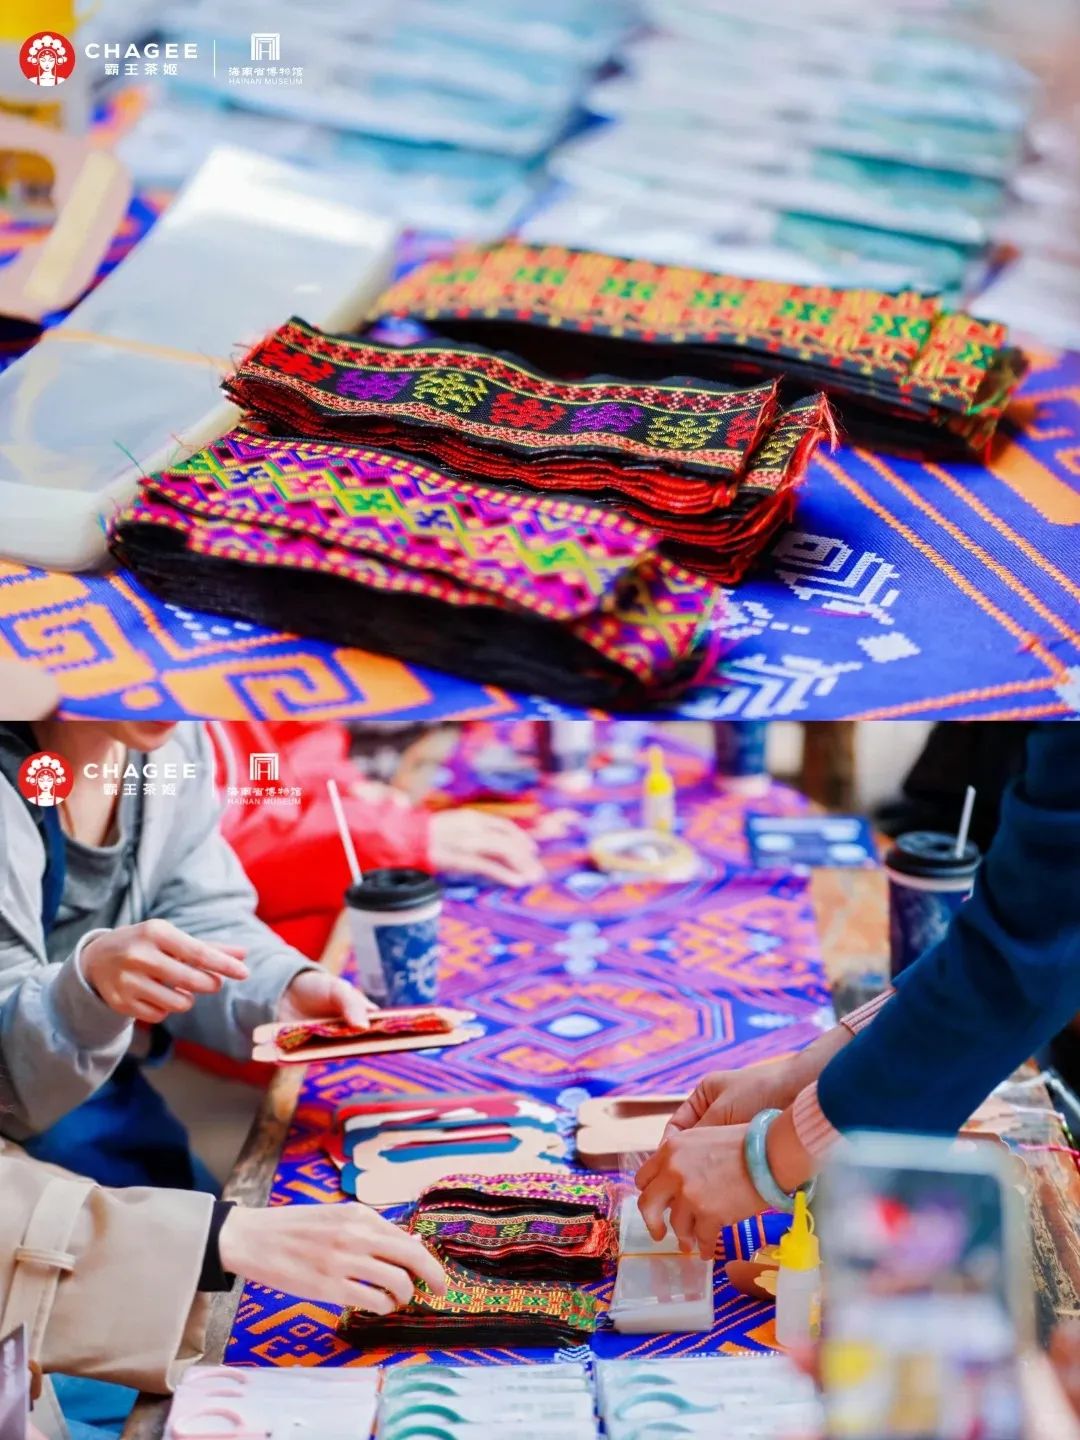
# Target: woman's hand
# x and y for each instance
(152, 970)
(333, 1254)
(700, 1176)
(734, 1097)
(317, 995)
(471, 842)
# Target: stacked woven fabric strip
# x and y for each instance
(710, 469)
(522, 1226)
(901, 369)
(321, 1034)
(495, 1237)
(477, 1311)
(367, 547)
(520, 520)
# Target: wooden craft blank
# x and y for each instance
(90, 192)
(617, 1125)
(385, 1182)
(267, 1050)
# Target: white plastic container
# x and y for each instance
(130, 381)
(662, 1295)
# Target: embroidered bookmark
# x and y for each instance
(321, 1033)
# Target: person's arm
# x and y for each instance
(111, 1283)
(1005, 978)
(698, 1179)
(387, 829)
(125, 1306)
(204, 892)
(59, 1042)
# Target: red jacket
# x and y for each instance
(292, 852)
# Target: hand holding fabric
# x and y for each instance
(333, 1254)
(317, 995)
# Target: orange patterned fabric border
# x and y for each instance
(901, 352)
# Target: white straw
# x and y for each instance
(343, 831)
(965, 822)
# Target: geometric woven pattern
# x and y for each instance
(573, 584)
(337, 385)
(582, 985)
(483, 1310)
(711, 470)
(560, 559)
(899, 350)
(725, 543)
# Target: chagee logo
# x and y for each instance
(47, 59)
(45, 780)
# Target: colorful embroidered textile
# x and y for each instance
(573, 1193)
(534, 593)
(725, 544)
(520, 1241)
(382, 1027)
(481, 415)
(477, 1310)
(945, 374)
(587, 986)
(547, 1226)
(635, 439)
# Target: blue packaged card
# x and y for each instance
(808, 841)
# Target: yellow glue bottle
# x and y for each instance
(798, 1281)
(657, 794)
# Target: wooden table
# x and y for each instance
(850, 907)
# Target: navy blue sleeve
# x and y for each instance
(1005, 978)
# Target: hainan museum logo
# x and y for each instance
(47, 58)
(45, 780)
(263, 766)
(265, 67)
(265, 45)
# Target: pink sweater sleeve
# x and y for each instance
(859, 1019)
(815, 1132)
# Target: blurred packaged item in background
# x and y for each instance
(901, 144)
(441, 112)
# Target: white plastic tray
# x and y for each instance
(129, 382)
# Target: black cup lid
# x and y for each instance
(398, 889)
(928, 854)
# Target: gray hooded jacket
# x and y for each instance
(58, 1041)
